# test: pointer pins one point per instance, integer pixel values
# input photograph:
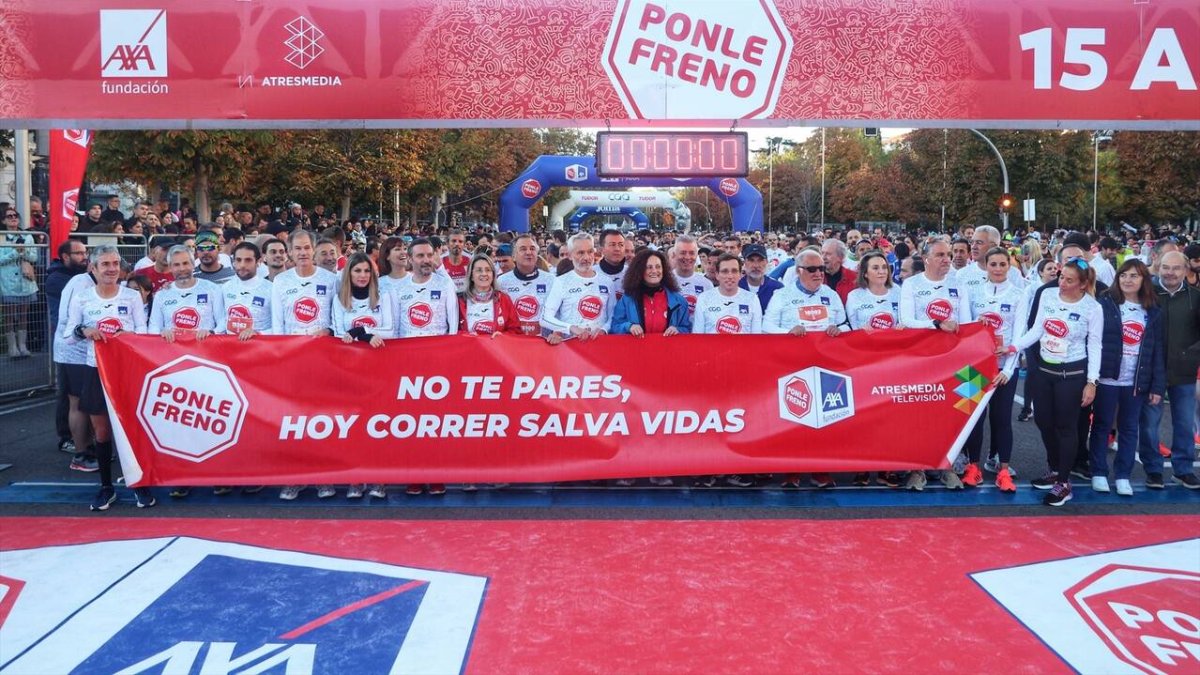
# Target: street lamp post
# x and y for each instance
(1097, 137)
(773, 145)
(1003, 171)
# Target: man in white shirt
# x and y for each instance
(806, 304)
(526, 285)
(189, 304)
(581, 303)
(612, 261)
(426, 303)
(247, 297)
(302, 297)
(974, 274)
(683, 259)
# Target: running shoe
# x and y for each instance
(862, 479)
(661, 482)
(104, 499)
(1124, 487)
(1187, 480)
(960, 463)
(972, 476)
(354, 492)
(704, 481)
(993, 464)
(378, 492)
(1024, 416)
(916, 481)
(325, 491)
(222, 490)
(1045, 482)
(67, 445)
(179, 492)
(469, 487)
(414, 489)
(1005, 482)
(822, 480)
(624, 482)
(888, 478)
(951, 480)
(144, 498)
(252, 489)
(791, 481)
(737, 480)
(1059, 494)
(1082, 472)
(1100, 483)
(1154, 481)
(290, 492)
(84, 463)
(437, 489)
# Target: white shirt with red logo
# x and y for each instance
(481, 317)
(195, 308)
(692, 288)
(864, 309)
(301, 304)
(740, 313)
(1000, 307)
(528, 296)
(973, 276)
(123, 312)
(1067, 331)
(247, 305)
(377, 320)
(1133, 327)
(793, 306)
(586, 302)
(457, 273)
(923, 301)
(424, 310)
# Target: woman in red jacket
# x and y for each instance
(482, 308)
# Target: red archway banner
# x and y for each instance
(1031, 63)
(467, 409)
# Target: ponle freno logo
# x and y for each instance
(718, 59)
(576, 173)
(192, 408)
(531, 188)
(815, 397)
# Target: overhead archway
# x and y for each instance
(639, 218)
(549, 171)
(617, 200)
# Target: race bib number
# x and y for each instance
(814, 316)
(1055, 340)
(238, 319)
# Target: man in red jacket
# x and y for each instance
(837, 276)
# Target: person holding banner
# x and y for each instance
(103, 312)
(580, 304)
(189, 304)
(483, 308)
(527, 285)
(302, 304)
(1068, 329)
(931, 299)
(1133, 372)
(806, 304)
(997, 303)
(247, 297)
(728, 309)
(362, 313)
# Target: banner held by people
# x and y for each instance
(464, 409)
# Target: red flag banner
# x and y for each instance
(286, 410)
(215, 63)
(69, 149)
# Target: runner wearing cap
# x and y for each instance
(208, 250)
(755, 279)
(931, 299)
(526, 285)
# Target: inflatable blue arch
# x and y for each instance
(548, 171)
(640, 220)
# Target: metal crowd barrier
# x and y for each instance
(29, 316)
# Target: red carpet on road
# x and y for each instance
(911, 595)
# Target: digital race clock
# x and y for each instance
(673, 154)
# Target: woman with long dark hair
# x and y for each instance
(1132, 372)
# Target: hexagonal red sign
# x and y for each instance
(192, 408)
(1147, 616)
(798, 397)
(701, 60)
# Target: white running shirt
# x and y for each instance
(587, 302)
(717, 313)
(300, 304)
(195, 308)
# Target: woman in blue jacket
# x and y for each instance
(652, 302)
(1132, 371)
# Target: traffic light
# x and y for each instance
(1006, 202)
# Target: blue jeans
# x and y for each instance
(1118, 404)
(1182, 399)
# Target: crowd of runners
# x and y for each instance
(1107, 330)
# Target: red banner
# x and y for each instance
(286, 410)
(69, 150)
(1044, 63)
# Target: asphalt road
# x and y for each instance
(28, 443)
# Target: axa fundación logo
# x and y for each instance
(815, 397)
(133, 48)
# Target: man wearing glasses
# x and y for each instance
(975, 274)
(208, 249)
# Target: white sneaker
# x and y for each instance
(290, 492)
(325, 491)
(1100, 483)
(1124, 488)
(960, 463)
(662, 482)
(378, 492)
(354, 492)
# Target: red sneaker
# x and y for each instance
(972, 477)
(437, 489)
(1005, 482)
(414, 489)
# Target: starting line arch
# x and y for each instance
(639, 218)
(549, 171)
